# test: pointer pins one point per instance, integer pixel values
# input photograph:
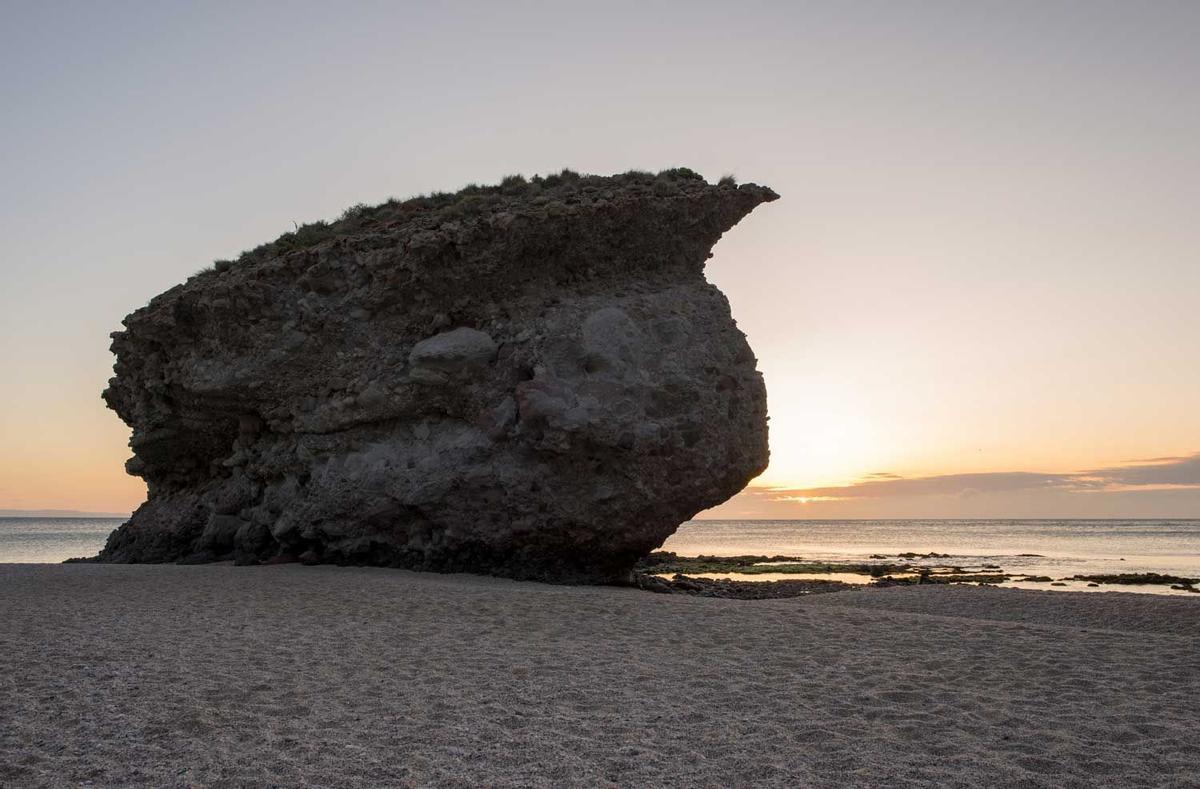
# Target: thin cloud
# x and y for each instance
(1159, 472)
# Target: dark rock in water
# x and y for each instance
(738, 590)
(532, 380)
(1136, 578)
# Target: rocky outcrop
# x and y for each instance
(533, 380)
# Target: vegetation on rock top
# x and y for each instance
(473, 200)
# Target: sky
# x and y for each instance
(979, 295)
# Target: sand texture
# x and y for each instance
(324, 676)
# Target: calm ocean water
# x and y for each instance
(1064, 547)
(35, 540)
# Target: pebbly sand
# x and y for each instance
(324, 676)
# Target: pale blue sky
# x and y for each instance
(985, 258)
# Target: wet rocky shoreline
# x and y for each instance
(668, 573)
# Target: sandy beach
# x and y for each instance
(324, 676)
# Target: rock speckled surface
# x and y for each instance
(532, 380)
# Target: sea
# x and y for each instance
(1056, 549)
(1052, 548)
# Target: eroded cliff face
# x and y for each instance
(532, 380)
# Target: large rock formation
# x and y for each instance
(532, 380)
